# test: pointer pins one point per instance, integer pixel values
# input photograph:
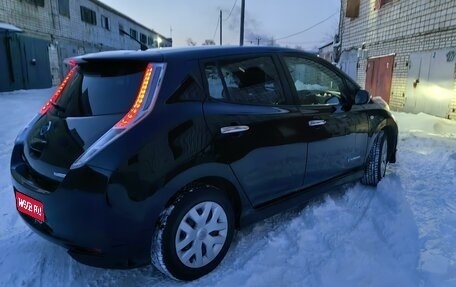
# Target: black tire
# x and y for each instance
(167, 253)
(377, 161)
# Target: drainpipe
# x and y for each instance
(338, 38)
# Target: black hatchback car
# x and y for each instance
(158, 156)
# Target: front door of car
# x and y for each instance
(335, 130)
(256, 129)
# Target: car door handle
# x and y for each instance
(234, 129)
(315, 123)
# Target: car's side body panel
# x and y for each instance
(269, 158)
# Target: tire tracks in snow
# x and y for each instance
(322, 236)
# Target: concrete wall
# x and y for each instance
(402, 27)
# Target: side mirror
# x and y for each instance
(334, 101)
(362, 97)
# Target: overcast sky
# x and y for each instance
(265, 19)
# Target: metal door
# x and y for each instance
(430, 82)
(36, 66)
(349, 63)
(24, 62)
(379, 75)
(419, 65)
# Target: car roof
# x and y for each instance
(184, 53)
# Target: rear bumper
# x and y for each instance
(79, 217)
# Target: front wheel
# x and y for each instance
(377, 161)
(194, 233)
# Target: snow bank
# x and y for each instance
(425, 124)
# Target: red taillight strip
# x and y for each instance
(57, 93)
(144, 103)
(135, 109)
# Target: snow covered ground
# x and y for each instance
(403, 233)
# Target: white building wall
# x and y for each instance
(71, 36)
(401, 27)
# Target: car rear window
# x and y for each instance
(100, 89)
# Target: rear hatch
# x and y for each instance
(95, 96)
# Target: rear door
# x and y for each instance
(256, 129)
(336, 131)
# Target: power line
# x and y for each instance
(231, 11)
(216, 28)
(309, 28)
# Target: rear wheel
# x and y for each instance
(377, 161)
(194, 233)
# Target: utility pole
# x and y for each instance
(258, 41)
(241, 40)
(221, 21)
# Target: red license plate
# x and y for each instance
(29, 206)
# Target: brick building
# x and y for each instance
(53, 30)
(403, 51)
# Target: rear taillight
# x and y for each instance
(142, 106)
(135, 111)
(58, 92)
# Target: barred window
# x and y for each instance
(105, 22)
(143, 38)
(134, 33)
(88, 15)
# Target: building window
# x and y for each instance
(64, 8)
(352, 10)
(143, 38)
(105, 22)
(150, 41)
(380, 3)
(36, 2)
(88, 16)
(121, 30)
(134, 33)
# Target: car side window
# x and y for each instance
(252, 81)
(315, 84)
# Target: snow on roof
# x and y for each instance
(9, 27)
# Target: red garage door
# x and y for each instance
(379, 74)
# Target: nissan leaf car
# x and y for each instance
(158, 156)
